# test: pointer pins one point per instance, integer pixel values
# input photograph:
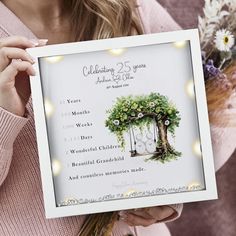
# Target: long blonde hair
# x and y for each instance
(99, 19)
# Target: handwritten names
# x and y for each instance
(122, 72)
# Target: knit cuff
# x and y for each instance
(178, 210)
(10, 126)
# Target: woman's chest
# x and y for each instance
(56, 36)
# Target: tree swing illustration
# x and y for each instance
(154, 113)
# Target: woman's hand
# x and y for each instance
(15, 67)
(146, 216)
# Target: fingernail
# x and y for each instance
(123, 215)
(43, 41)
(34, 42)
(124, 218)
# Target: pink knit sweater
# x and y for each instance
(21, 198)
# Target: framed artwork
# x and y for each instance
(122, 123)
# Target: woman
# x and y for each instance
(25, 24)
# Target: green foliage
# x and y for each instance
(139, 111)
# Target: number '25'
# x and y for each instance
(124, 67)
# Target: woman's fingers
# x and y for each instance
(146, 216)
(8, 53)
(135, 220)
(18, 41)
(21, 42)
(14, 59)
(161, 212)
(141, 212)
(8, 75)
(14, 48)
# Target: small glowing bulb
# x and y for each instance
(197, 149)
(190, 89)
(49, 109)
(180, 44)
(117, 51)
(56, 167)
(54, 59)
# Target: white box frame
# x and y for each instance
(210, 192)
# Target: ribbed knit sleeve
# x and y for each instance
(10, 126)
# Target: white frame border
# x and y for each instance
(52, 211)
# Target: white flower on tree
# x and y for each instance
(140, 115)
(116, 122)
(152, 104)
(167, 122)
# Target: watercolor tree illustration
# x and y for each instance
(146, 111)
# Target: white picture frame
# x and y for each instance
(89, 51)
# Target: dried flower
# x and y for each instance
(203, 57)
(215, 11)
(210, 69)
(224, 40)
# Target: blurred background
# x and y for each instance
(211, 218)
